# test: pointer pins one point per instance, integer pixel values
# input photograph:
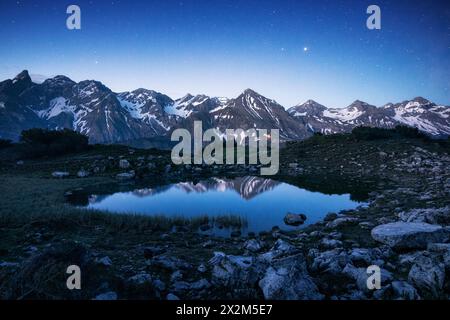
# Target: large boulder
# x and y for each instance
(279, 249)
(124, 164)
(294, 219)
(253, 245)
(361, 275)
(51, 260)
(288, 279)
(428, 275)
(428, 215)
(141, 286)
(444, 250)
(171, 263)
(340, 222)
(403, 290)
(409, 235)
(234, 271)
(184, 286)
(360, 256)
(331, 261)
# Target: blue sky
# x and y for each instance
(220, 47)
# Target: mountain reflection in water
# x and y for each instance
(261, 202)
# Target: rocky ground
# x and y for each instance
(404, 230)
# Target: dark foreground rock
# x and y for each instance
(294, 219)
(288, 279)
(410, 235)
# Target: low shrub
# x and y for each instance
(4, 143)
(42, 142)
(400, 131)
(368, 133)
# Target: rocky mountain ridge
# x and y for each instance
(91, 108)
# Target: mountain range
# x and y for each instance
(91, 108)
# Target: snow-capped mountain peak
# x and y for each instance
(190, 104)
(252, 110)
(147, 106)
(92, 108)
(418, 112)
(309, 107)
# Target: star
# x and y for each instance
(305, 49)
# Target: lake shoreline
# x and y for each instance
(247, 204)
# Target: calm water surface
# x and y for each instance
(261, 203)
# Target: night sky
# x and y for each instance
(290, 51)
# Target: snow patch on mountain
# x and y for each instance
(345, 114)
(147, 106)
(186, 105)
(221, 107)
(152, 118)
(88, 90)
(222, 100)
(415, 121)
(442, 111)
(178, 109)
(133, 108)
(57, 106)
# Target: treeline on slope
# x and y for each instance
(35, 143)
(399, 132)
(367, 134)
(373, 133)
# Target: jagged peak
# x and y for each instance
(310, 103)
(251, 92)
(145, 91)
(21, 82)
(309, 107)
(59, 79)
(187, 96)
(24, 75)
(421, 100)
(360, 104)
(88, 87)
(140, 92)
(92, 83)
